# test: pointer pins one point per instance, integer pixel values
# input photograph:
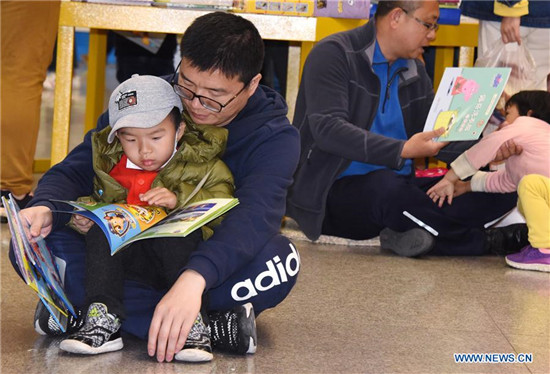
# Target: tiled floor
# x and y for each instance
(355, 309)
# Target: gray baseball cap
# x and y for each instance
(143, 101)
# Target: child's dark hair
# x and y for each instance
(175, 117)
(537, 102)
(225, 42)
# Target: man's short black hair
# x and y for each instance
(386, 6)
(225, 42)
(536, 101)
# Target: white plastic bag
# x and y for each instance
(517, 57)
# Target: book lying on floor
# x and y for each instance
(465, 100)
(37, 266)
(124, 224)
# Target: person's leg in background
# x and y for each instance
(534, 204)
(536, 40)
(275, 65)
(28, 33)
(131, 58)
(360, 206)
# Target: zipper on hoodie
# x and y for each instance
(388, 85)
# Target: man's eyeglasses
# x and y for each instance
(206, 102)
(429, 26)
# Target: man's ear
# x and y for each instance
(181, 130)
(394, 16)
(254, 82)
(530, 113)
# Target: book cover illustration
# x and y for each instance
(190, 218)
(465, 100)
(123, 224)
(37, 266)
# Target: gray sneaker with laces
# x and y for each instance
(99, 334)
(197, 347)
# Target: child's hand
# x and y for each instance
(462, 187)
(82, 223)
(443, 189)
(160, 196)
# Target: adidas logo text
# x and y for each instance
(277, 272)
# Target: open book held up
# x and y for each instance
(38, 267)
(465, 100)
(124, 224)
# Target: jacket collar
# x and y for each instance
(368, 33)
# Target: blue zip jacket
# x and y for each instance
(538, 16)
(262, 153)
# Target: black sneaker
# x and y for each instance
(234, 331)
(197, 347)
(412, 243)
(20, 203)
(44, 323)
(99, 334)
(506, 240)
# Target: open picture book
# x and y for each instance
(124, 224)
(465, 100)
(38, 267)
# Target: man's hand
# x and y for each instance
(82, 223)
(174, 315)
(507, 150)
(160, 196)
(423, 145)
(40, 220)
(509, 29)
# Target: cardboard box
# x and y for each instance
(342, 8)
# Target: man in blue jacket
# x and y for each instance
(246, 260)
(361, 108)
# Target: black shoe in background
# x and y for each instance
(20, 203)
(506, 240)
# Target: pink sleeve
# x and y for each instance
(485, 151)
(500, 181)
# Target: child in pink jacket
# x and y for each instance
(527, 123)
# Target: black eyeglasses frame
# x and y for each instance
(176, 87)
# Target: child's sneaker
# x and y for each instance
(99, 334)
(529, 259)
(234, 331)
(44, 323)
(197, 347)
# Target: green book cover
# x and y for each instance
(465, 101)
